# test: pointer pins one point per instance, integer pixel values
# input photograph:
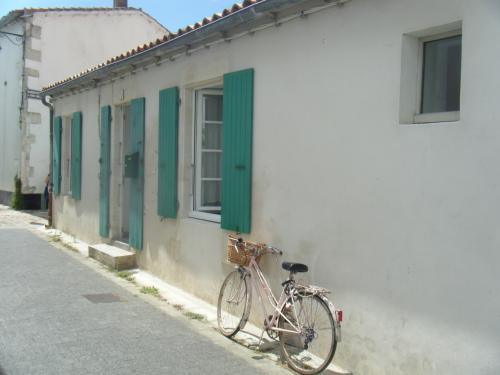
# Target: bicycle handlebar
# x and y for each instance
(274, 250)
(269, 249)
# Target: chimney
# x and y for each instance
(120, 4)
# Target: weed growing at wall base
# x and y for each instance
(194, 316)
(127, 275)
(17, 198)
(151, 290)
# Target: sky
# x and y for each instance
(173, 14)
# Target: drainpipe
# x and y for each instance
(51, 127)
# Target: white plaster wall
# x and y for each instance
(69, 43)
(75, 41)
(400, 221)
(11, 68)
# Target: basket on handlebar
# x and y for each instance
(240, 252)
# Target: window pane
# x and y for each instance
(211, 138)
(211, 164)
(213, 107)
(208, 153)
(210, 194)
(441, 75)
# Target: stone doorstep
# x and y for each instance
(112, 256)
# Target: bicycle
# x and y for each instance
(305, 322)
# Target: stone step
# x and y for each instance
(112, 256)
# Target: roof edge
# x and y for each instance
(222, 22)
(16, 13)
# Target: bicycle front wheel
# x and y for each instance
(311, 350)
(234, 304)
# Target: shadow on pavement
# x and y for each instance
(43, 214)
(2, 372)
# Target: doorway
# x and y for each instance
(128, 188)
(124, 185)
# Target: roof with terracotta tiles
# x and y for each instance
(166, 39)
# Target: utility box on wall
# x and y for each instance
(132, 165)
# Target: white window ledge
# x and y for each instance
(205, 216)
(425, 118)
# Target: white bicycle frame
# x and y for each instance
(262, 288)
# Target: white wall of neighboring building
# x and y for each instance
(11, 69)
(72, 41)
(60, 44)
(400, 221)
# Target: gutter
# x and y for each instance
(46, 103)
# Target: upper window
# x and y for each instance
(441, 68)
(431, 64)
(208, 154)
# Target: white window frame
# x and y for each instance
(422, 118)
(198, 118)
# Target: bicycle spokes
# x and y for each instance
(311, 350)
(233, 303)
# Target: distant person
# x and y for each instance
(46, 191)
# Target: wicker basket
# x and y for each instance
(240, 252)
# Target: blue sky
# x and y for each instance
(173, 14)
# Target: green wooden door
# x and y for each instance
(104, 170)
(237, 118)
(168, 122)
(56, 157)
(136, 202)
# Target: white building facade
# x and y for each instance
(40, 46)
(366, 145)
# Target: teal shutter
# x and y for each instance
(56, 150)
(104, 170)
(237, 117)
(167, 152)
(76, 155)
(137, 108)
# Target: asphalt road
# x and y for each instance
(58, 316)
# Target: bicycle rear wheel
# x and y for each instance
(311, 351)
(234, 304)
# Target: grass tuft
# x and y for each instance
(151, 290)
(55, 238)
(194, 316)
(127, 275)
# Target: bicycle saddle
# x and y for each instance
(294, 267)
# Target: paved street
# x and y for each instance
(58, 316)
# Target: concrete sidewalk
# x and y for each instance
(59, 316)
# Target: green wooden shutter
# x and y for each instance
(137, 108)
(167, 152)
(56, 150)
(104, 170)
(237, 151)
(76, 155)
